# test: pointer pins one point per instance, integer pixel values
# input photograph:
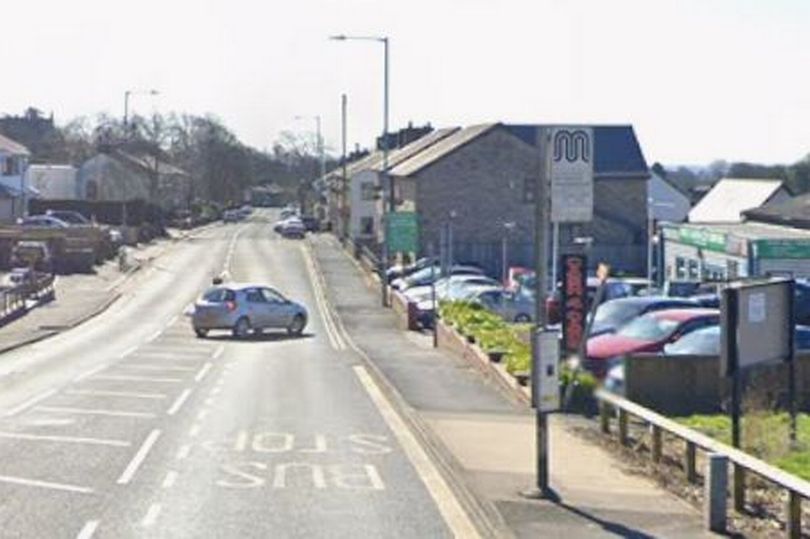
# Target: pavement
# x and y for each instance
(488, 435)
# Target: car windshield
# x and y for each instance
(702, 342)
(218, 295)
(649, 328)
(616, 312)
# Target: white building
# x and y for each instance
(54, 182)
(730, 197)
(13, 191)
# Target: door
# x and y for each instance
(278, 308)
(258, 309)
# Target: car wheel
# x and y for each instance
(296, 327)
(522, 318)
(201, 333)
(242, 328)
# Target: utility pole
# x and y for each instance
(343, 211)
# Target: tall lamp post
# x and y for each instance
(385, 178)
(130, 93)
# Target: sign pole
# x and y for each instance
(792, 361)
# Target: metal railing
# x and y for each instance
(611, 405)
(14, 300)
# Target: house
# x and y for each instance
(794, 212)
(53, 182)
(119, 176)
(666, 202)
(14, 192)
(730, 197)
(474, 189)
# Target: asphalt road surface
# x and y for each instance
(130, 426)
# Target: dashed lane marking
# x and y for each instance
(87, 374)
(44, 484)
(218, 352)
(183, 452)
(89, 411)
(158, 368)
(63, 439)
(106, 393)
(127, 378)
(140, 456)
(88, 529)
(172, 321)
(203, 371)
(153, 337)
(194, 431)
(170, 479)
(202, 414)
(128, 352)
(30, 402)
(151, 515)
(178, 403)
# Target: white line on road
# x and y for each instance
(454, 515)
(65, 439)
(105, 393)
(214, 392)
(203, 371)
(183, 452)
(129, 351)
(151, 515)
(194, 431)
(93, 411)
(127, 378)
(139, 457)
(30, 402)
(170, 479)
(218, 352)
(139, 367)
(202, 415)
(88, 529)
(178, 403)
(87, 374)
(44, 484)
(172, 321)
(154, 336)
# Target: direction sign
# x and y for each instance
(571, 165)
(402, 232)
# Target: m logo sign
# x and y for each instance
(571, 167)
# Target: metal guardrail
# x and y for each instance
(14, 300)
(742, 462)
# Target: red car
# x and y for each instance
(647, 333)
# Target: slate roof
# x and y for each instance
(617, 152)
(730, 197)
(795, 213)
(408, 151)
(440, 149)
(12, 147)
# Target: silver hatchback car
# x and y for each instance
(245, 307)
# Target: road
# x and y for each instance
(130, 426)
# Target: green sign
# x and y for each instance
(705, 239)
(795, 249)
(402, 232)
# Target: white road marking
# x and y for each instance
(151, 515)
(129, 351)
(183, 452)
(44, 484)
(30, 402)
(105, 393)
(203, 371)
(178, 403)
(127, 378)
(88, 529)
(93, 411)
(139, 457)
(51, 422)
(139, 367)
(63, 439)
(335, 339)
(202, 415)
(87, 374)
(194, 431)
(170, 479)
(218, 352)
(172, 321)
(213, 392)
(154, 336)
(457, 520)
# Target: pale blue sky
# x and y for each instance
(700, 79)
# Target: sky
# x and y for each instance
(699, 79)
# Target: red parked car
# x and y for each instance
(647, 333)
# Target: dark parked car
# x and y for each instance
(311, 224)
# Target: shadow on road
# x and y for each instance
(261, 337)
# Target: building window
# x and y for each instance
(10, 166)
(694, 270)
(528, 190)
(680, 268)
(368, 191)
(367, 226)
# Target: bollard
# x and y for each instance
(794, 516)
(655, 433)
(691, 462)
(604, 417)
(622, 426)
(715, 493)
(739, 488)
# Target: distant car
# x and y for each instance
(425, 276)
(613, 314)
(72, 218)
(293, 229)
(231, 216)
(511, 306)
(289, 211)
(244, 307)
(399, 270)
(614, 288)
(311, 224)
(42, 221)
(647, 333)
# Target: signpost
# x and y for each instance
(574, 300)
(571, 166)
(402, 231)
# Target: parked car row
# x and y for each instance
(294, 225)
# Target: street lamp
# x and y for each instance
(508, 227)
(130, 93)
(385, 179)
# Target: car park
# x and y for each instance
(511, 306)
(614, 313)
(243, 308)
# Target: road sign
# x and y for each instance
(571, 162)
(402, 232)
(546, 391)
(574, 300)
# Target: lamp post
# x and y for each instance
(385, 179)
(508, 227)
(130, 93)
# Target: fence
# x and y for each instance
(14, 300)
(742, 463)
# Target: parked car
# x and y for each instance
(425, 276)
(242, 308)
(311, 224)
(231, 216)
(41, 221)
(442, 286)
(614, 313)
(511, 306)
(293, 228)
(647, 333)
(72, 218)
(399, 270)
(614, 288)
(289, 211)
